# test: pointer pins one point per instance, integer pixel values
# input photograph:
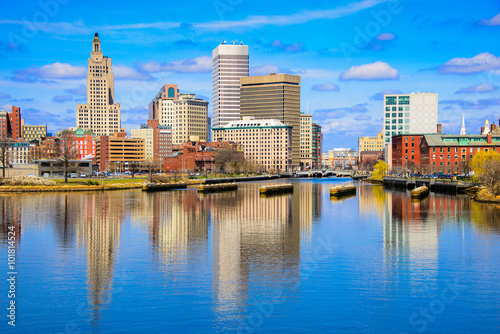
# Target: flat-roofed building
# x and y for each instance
(371, 143)
(306, 154)
(230, 62)
(274, 96)
(11, 124)
(265, 142)
(340, 158)
(317, 142)
(117, 151)
(148, 135)
(34, 132)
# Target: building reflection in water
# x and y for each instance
(99, 233)
(253, 239)
(178, 228)
(10, 216)
(412, 230)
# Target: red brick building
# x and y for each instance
(452, 153)
(84, 142)
(368, 159)
(196, 156)
(406, 151)
(11, 124)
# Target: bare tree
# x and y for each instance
(226, 158)
(65, 151)
(4, 153)
(152, 166)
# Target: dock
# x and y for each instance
(152, 187)
(420, 192)
(213, 188)
(342, 191)
(276, 189)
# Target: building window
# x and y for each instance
(404, 100)
(390, 100)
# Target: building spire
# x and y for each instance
(462, 129)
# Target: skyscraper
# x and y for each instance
(100, 114)
(229, 64)
(275, 96)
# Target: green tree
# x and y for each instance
(379, 170)
(486, 166)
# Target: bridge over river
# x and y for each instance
(326, 173)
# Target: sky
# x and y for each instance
(348, 54)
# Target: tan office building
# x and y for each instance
(371, 143)
(185, 114)
(148, 135)
(274, 96)
(265, 142)
(191, 119)
(306, 134)
(101, 114)
(34, 132)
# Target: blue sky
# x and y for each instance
(347, 52)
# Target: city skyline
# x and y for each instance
(364, 48)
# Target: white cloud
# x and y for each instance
(482, 62)
(69, 28)
(51, 71)
(386, 36)
(494, 21)
(123, 72)
(201, 64)
(480, 88)
(297, 18)
(61, 71)
(376, 71)
(328, 87)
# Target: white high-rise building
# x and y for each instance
(229, 64)
(101, 114)
(415, 113)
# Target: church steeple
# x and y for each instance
(462, 129)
